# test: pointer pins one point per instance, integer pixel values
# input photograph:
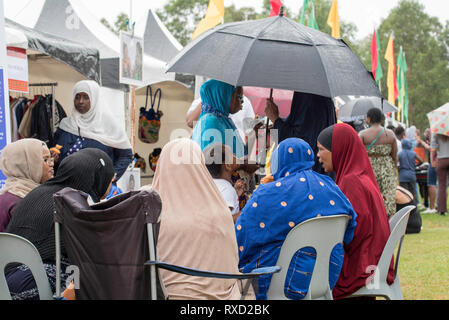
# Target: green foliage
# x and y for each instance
(120, 23)
(232, 14)
(425, 43)
(322, 9)
(182, 16)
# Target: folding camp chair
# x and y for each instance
(379, 287)
(99, 238)
(109, 244)
(15, 249)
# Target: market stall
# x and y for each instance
(175, 100)
(53, 66)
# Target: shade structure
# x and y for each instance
(439, 120)
(80, 57)
(258, 97)
(358, 108)
(276, 53)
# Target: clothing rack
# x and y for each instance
(53, 86)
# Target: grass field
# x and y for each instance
(424, 261)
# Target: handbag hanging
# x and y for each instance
(150, 120)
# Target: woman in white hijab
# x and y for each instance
(26, 164)
(92, 126)
(197, 230)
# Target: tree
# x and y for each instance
(182, 16)
(322, 9)
(425, 43)
(232, 14)
(120, 24)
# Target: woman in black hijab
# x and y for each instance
(310, 114)
(90, 171)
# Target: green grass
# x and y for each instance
(424, 261)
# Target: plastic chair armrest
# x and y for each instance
(209, 274)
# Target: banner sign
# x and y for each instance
(17, 69)
(3, 140)
(5, 120)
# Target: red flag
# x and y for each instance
(374, 56)
(275, 7)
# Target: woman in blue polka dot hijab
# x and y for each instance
(297, 194)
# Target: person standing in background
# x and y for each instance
(381, 146)
(440, 158)
(431, 172)
(422, 185)
(400, 134)
(407, 167)
(91, 126)
(310, 114)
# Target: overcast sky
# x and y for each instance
(365, 14)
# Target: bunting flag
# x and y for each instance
(214, 16)
(275, 7)
(402, 87)
(399, 85)
(391, 80)
(312, 20)
(375, 59)
(334, 21)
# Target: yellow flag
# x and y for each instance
(391, 82)
(334, 21)
(214, 16)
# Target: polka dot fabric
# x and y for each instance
(298, 194)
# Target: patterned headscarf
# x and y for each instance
(297, 194)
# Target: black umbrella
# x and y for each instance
(276, 53)
(358, 108)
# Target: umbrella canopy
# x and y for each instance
(276, 53)
(439, 120)
(358, 108)
(259, 96)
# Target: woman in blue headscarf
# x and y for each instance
(297, 194)
(219, 100)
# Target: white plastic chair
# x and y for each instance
(322, 234)
(15, 249)
(378, 287)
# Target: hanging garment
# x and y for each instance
(42, 119)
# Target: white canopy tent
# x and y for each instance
(54, 60)
(71, 20)
(159, 42)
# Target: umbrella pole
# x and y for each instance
(268, 124)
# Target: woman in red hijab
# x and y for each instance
(342, 151)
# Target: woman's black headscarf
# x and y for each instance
(325, 138)
(310, 114)
(89, 170)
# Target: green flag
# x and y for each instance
(400, 81)
(312, 23)
(303, 12)
(404, 85)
